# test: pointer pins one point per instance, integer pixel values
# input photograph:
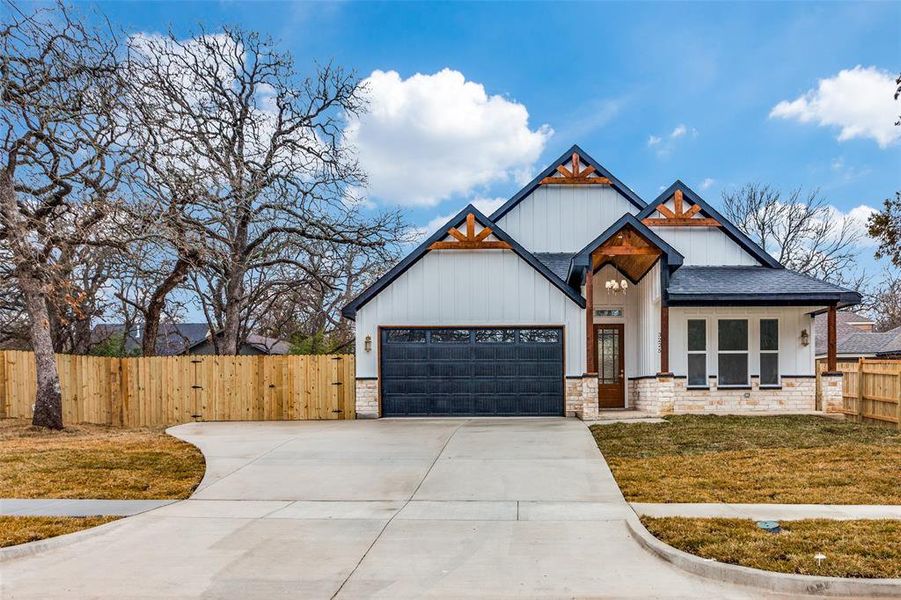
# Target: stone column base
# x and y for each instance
(831, 392)
(367, 401)
(582, 397)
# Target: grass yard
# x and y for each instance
(852, 548)
(19, 530)
(790, 459)
(92, 461)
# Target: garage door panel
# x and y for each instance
(481, 371)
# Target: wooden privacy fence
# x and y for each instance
(871, 389)
(164, 390)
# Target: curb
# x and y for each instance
(813, 585)
(38, 546)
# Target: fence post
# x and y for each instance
(3, 410)
(860, 362)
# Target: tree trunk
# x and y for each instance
(234, 295)
(48, 405)
(157, 303)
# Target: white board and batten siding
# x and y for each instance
(564, 218)
(708, 246)
(794, 358)
(468, 289)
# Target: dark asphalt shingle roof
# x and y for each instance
(846, 323)
(870, 343)
(557, 262)
(758, 283)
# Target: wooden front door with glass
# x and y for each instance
(611, 371)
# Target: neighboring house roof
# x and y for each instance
(752, 285)
(863, 343)
(172, 338)
(564, 159)
(846, 323)
(350, 310)
(728, 228)
(266, 345)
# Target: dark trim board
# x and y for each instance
(676, 299)
(615, 183)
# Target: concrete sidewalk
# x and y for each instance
(765, 512)
(16, 507)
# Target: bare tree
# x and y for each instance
(884, 302)
(270, 175)
(59, 134)
(801, 231)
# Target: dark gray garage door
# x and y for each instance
(472, 372)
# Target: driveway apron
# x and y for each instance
(390, 508)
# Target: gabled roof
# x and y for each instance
(697, 285)
(582, 258)
(400, 268)
(564, 158)
(728, 228)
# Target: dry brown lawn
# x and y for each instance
(93, 461)
(852, 548)
(19, 530)
(782, 459)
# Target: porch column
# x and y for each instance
(590, 366)
(664, 338)
(831, 343)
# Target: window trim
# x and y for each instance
(746, 352)
(761, 351)
(705, 352)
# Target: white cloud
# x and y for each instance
(860, 101)
(856, 221)
(429, 137)
(485, 205)
(664, 144)
(707, 183)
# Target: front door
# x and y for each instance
(611, 382)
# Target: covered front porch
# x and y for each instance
(654, 343)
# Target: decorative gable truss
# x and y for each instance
(576, 174)
(470, 240)
(682, 214)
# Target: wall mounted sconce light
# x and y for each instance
(805, 338)
(367, 343)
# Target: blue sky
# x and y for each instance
(653, 91)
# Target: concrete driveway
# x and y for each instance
(388, 508)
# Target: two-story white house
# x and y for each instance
(577, 296)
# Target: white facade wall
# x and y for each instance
(705, 246)
(794, 358)
(564, 218)
(470, 288)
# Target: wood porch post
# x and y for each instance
(830, 349)
(664, 338)
(589, 319)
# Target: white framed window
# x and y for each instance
(732, 353)
(697, 352)
(769, 352)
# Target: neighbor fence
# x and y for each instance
(871, 389)
(164, 390)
